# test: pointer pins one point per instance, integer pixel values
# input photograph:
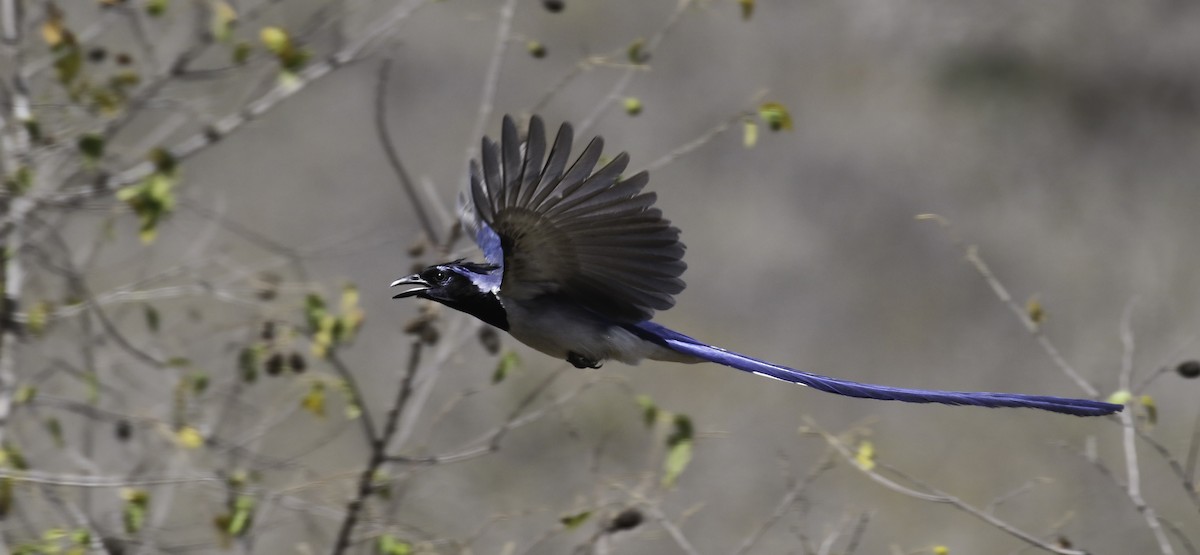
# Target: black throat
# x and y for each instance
(484, 306)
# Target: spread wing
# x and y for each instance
(590, 236)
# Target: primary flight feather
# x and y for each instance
(578, 260)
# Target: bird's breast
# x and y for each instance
(558, 327)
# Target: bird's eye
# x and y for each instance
(435, 276)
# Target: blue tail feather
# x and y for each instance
(683, 344)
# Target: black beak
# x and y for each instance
(414, 279)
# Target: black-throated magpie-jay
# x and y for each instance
(578, 261)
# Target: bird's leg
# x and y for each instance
(580, 361)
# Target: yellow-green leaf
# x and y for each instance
(535, 49)
(25, 394)
(54, 30)
(314, 401)
(92, 147)
(677, 460)
(241, 53)
(776, 116)
(941, 550)
(1151, 407)
(571, 522)
(223, 18)
(636, 52)
(54, 427)
(243, 509)
(275, 39)
(747, 8)
(36, 318)
(749, 133)
(390, 545)
(136, 503)
(649, 409)
(152, 319)
(189, 438)
(156, 8)
(1034, 310)
(865, 456)
(633, 106)
(509, 361)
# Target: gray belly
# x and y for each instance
(557, 329)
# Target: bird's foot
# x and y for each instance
(580, 361)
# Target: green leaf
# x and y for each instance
(314, 311)
(636, 52)
(677, 460)
(571, 522)
(390, 545)
(92, 147)
(25, 394)
(152, 319)
(54, 427)
(241, 52)
(12, 457)
(156, 8)
(649, 409)
(633, 106)
(223, 19)
(275, 39)
(136, 503)
(1120, 397)
(199, 381)
(865, 456)
(1151, 408)
(314, 401)
(164, 162)
(243, 510)
(68, 63)
(509, 361)
(36, 318)
(747, 9)
(776, 116)
(21, 181)
(248, 364)
(682, 430)
(749, 133)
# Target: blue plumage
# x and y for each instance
(681, 343)
(579, 261)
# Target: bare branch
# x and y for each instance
(934, 495)
(389, 148)
(379, 447)
(626, 78)
(972, 254)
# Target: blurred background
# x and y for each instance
(1058, 138)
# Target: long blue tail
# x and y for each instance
(683, 344)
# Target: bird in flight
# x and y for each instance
(578, 259)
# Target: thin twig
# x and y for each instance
(934, 495)
(703, 139)
(368, 422)
(389, 149)
(491, 78)
(1133, 484)
(619, 88)
(972, 255)
(378, 451)
(785, 503)
(672, 530)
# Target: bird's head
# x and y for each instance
(442, 282)
(460, 285)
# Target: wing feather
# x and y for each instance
(575, 230)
